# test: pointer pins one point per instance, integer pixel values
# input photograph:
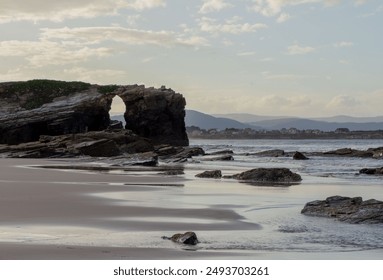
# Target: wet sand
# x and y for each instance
(73, 214)
(62, 214)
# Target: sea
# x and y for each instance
(284, 231)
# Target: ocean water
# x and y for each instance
(277, 209)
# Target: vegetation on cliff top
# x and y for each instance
(40, 92)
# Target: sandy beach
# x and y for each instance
(73, 214)
(59, 214)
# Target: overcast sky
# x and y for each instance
(305, 58)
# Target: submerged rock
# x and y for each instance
(352, 210)
(268, 175)
(215, 174)
(189, 238)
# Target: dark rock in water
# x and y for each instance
(352, 210)
(98, 148)
(271, 153)
(220, 158)
(45, 107)
(347, 152)
(299, 156)
(215, 174)
(376, 152)
(172, 172)
(184, 153)
(268, 175)
(372, 171)
(223, 152)
(189, 238)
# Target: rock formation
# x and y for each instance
(372, 171)
(299, 156)
(44, 107)
(215, 174)
(352, 210)
(268, 175)
(189, 238)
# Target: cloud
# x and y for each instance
(97, 35)
(296, 50)
(246, 53)
(43, 53)
(342, 101)
(283, 17)
(57, 11)
(232, 26)
(343, 44)
(295, 101)
(274, 8)
(209, 6)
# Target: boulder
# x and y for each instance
(299, 156)
(189, 238)
(372, 171)
(352, 210)
(271, 153)
(348, 152)
(268, 175)
(220, 158)
(223, 152)
(98, 148)
(215, 174)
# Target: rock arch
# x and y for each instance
(157, 114)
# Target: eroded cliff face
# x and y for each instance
(44, 107)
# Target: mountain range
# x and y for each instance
(257, 122)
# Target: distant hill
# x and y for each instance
(314, 124)
(205, 121)
(248, 118)
(324, 124)
(251, 118)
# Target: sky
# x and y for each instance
(305, 58)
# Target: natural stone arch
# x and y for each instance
(156, 114)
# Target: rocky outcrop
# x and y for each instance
(348, 152)
(268, 175)
(189, 238)
(94, 143)
(372, 171)
(271, 153)
(299, 156)
(352, 210)
(214, 174)
(44, 107)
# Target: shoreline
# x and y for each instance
(108, 214)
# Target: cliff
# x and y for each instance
(45, 107)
